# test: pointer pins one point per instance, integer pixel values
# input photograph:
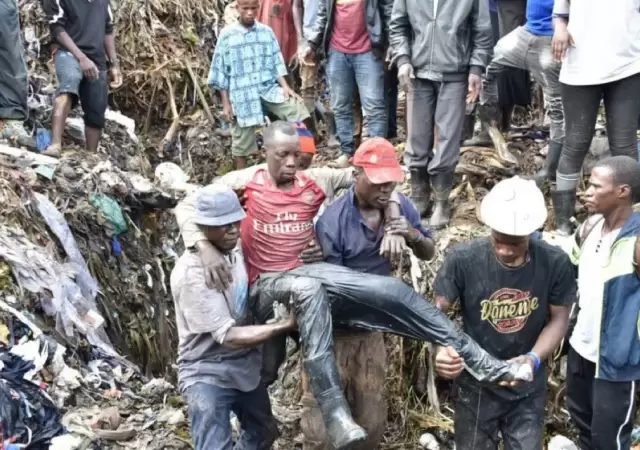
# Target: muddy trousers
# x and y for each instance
(603, 411)
(322, 294)
(362, 359)
(480, 415)
(209, 409)
(581, 105)
(14, 79)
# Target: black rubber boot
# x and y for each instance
(420, 189)
(564, 207)
(342, 430)
(548, 172)
(332, 138)
(441, 185)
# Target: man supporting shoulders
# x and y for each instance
(219, 358)
(350, 232)
(515, 294)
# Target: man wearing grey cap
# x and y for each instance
(220, 357)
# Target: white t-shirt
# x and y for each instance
(607, 40)
(594, 256)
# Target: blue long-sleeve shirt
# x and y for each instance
(347, 240)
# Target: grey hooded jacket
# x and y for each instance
(377, 16)
(443, 40)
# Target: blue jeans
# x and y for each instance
(209, 410)
(366, 71)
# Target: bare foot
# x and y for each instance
(54, 150)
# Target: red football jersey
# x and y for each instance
(279, 224)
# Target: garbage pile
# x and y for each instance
(87, 236)
(165, 50)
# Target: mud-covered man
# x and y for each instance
(350, 233)
(86, 47)
(249, 71)
(219, 358)
(515, 294)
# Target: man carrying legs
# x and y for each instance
(86, 46)
(441, 50)
(350, 233)
(514, 293)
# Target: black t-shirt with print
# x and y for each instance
(505, 309)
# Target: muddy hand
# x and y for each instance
(312, 254)
(521, 371)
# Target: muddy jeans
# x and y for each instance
(362, 359)
(524, 50)
(323, 293)
(603, 411)
(438, 106)
(209, 410)
(480, 415)
(581, 105)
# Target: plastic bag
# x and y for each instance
(27, 415)
(111, 211)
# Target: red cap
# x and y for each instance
(377, 157)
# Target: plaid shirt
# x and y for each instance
(247, 63)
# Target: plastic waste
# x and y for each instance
(559, 442)
(28, 416)
(111, 211)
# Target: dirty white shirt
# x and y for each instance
(586, 334)
(607, 40)
(203, 318)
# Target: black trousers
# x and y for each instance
(603, 411)
(581, 104)
(481, 414)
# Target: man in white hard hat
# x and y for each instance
(515, 293)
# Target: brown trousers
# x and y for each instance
(362, 359)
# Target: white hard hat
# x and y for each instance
(514, 207)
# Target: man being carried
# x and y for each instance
(14, 82)
(86, 39)
(350, 233)
(515, 294)
(603, 365)
(441, 50)
(529, 47)
(219, 358)
(281, 204)
(249, 71)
